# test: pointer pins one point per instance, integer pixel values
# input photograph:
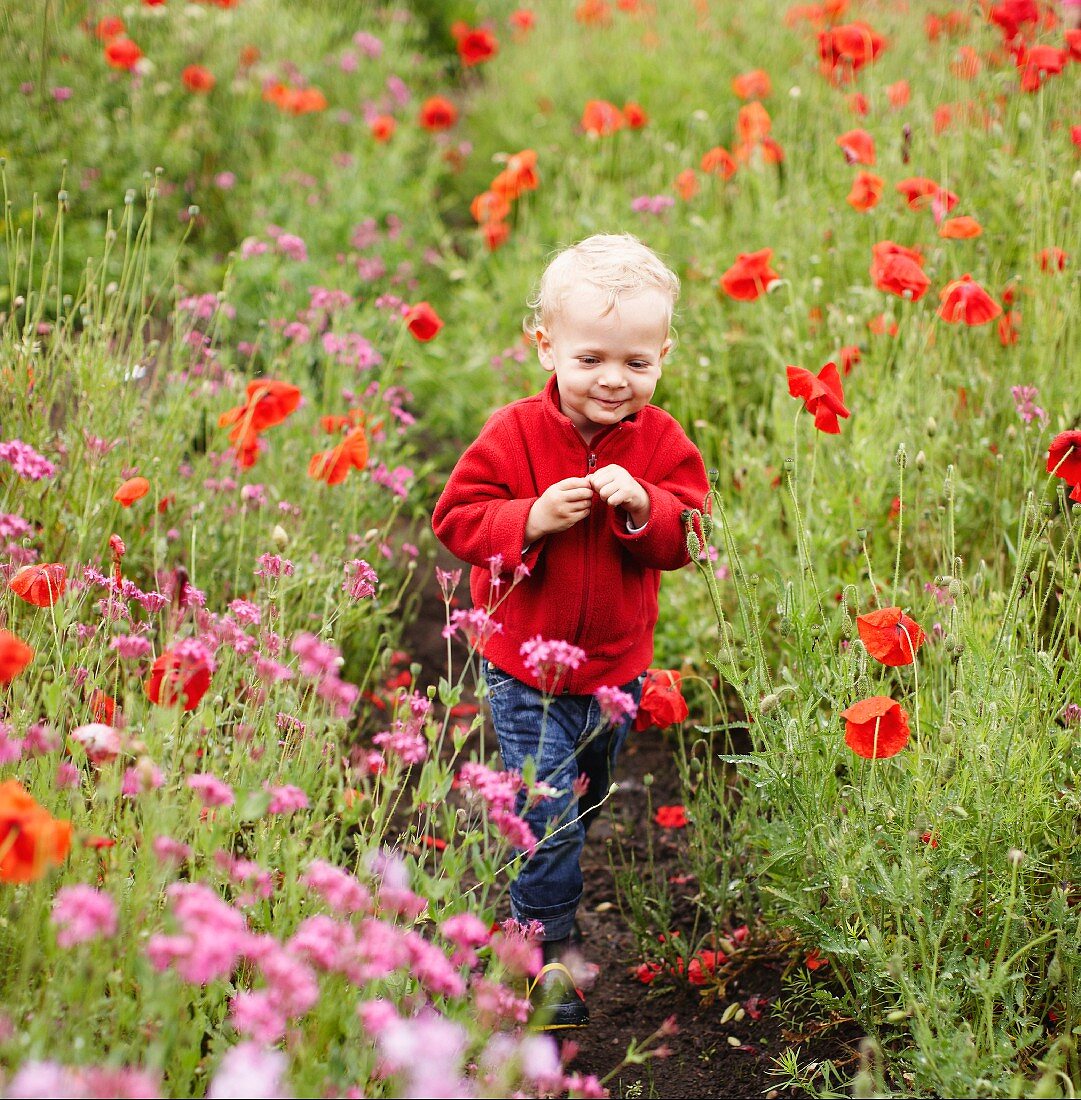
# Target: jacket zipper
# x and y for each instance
(591, 465)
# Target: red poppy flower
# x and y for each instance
(476, 45)
(197, 79)
(753, 124)
(1073, 42)
(960, 229)
(102, 707)
(176, 678)
(1009, 328)
(920, 192)
(881, 325)
(686, 184)
(965, 301)
(662, 703)
(1011, 15)
(305, 101)
(890, 636)
(898, 94)
(815, 961)
(519, 176)
(41, 585)
(647, 971)
(967, 64)
(522, 20)
(634, 115)
(1064, 458)
(671, 817)
(846, 49)
(438, 113)
(333, 466)
(269, 403)
(423, 322)
(31, 839)
(601, 118)
(382, 127)
(495, 234)
(99, 842)
(489, 206)
(135, 488)
(866, 191)
(822, 394)
(898, 270)
(719, 161)
(847, 357)
(1052, 260)
(876, 728)
(15, 655)
(858, 147)
(112, 26)
(750, 276)
(753, 85)
(122, 53)
(1038, 63)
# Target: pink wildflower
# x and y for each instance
(339, 889)
(211, 790)
(549, 661)
(286, 799)
(360, 579)
(25, 461)
(82, 914)
(130, 647)
(167, 850)
(616, 706)
(249, 1069)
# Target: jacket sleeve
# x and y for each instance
(677, 481)
(478, 515)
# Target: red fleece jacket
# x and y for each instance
(595, 584)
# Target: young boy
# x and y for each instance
(583, 484)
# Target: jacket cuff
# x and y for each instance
(506, 533)
(661, 541)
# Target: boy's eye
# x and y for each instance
(587, 360)
(638, 364)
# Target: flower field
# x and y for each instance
(264, 272)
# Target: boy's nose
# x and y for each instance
(612, 378)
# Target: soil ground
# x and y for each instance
(706, 1057)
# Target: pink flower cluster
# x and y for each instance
(213, 936)
(499, 790)
(550, 660)
(320, 662)
(83, 914)
(25, 461)
(477, 625)
(360, 579)
(350, 349)
(616, 705)
(108, 1083)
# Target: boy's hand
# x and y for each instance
(618, 489)
(559, 507)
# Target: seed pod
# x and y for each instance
(279, 536)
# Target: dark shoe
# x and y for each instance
(556, 1001)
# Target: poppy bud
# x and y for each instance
(1011, 431)
(955, 588)
(932, 425)
(279, 536)
(1016, 857)
(785, 627)
(1054, 970)
(949, 768)
(921, 460)
(769, 703)
(694, 545)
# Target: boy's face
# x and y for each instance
(607, 365)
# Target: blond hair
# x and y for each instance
(615, 263)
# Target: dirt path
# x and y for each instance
(707, 1057)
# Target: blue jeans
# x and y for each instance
(569, 740)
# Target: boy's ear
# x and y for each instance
(666, 347)
(545, 353)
